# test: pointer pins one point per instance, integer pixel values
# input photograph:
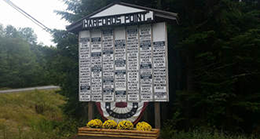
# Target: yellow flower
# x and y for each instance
(109, 124)
(125, 125)
(143, 126)
(96, 123)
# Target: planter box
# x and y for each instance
(115, 133)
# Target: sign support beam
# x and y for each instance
(90, 111)
(157, 115)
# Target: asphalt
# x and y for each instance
(49, 87)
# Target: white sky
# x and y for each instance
(42, 10)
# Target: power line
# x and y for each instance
(38, 23)
(26, 16)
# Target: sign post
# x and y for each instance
(157, 115)
(90, 111)
(123, 60)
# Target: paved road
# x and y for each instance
(50, 87)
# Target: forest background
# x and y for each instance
(214, 56)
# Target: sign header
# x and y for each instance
(121, 14)
(124, 19)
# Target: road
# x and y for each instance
(50, 87)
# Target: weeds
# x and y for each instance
(30, 115)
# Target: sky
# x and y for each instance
(42, 10)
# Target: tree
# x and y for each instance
(29, 35)
(16, 62)
(222, 46)
(23, 61)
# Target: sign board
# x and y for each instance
(124, 64)
(123, 59)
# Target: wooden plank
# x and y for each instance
(109, 132)
(157, 115)
(94, 132)
(114, 133)
(116, 136)
(93, 137)
(118, 133)
(117, 130)
(90, 111)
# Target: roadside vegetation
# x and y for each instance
(34, 115)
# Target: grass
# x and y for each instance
(34, 115)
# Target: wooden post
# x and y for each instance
(157, 115)
(90, 111)
(145, 116)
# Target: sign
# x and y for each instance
(124, 64)
(123, 59)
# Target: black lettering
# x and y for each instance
(104, 21)
(127, 19)
(135, 18)
(143, 16)
(90, 23)
(99, 22)
(139, 16)
(113, 19)
(94, 22)
(85, 23)
(118, 20)
(131, 18)
(108, 21)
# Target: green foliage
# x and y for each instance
(223, 64)
(23, 62)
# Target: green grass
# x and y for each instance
(34, 115)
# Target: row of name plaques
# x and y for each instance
(123, 64)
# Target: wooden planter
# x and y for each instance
(115, 133)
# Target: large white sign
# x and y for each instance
(124, 64)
